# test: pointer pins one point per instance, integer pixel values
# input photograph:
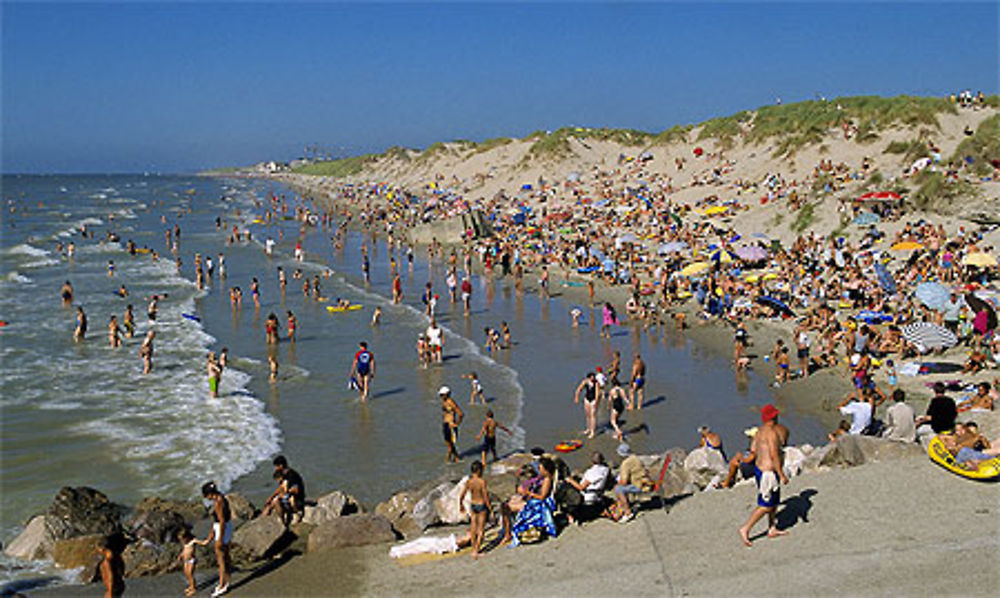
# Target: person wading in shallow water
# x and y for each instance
(451, 416)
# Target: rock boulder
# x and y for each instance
(241, 507)
(261, 538)
(35, 542)
(144, 558)
(80, 551)
(156, 526)
(191, 511)
(330, 506)
(351, 530)
(82, 511)
(398, 510)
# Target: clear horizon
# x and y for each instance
(125, 88)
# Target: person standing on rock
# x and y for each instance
(766, 446)
(222, 533)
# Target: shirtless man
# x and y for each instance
(588, 388)
(146, 352)
(638, 391)
(214, 374)
(451, 416)
(768, 471)
(479, 506)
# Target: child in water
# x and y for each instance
(489, 435)
(477, 388)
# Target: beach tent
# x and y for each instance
(983, 260)
(933, 294)
(695, 268)
(929, 336)
(906, 246)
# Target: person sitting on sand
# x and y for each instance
(983, 400)
(899, 419)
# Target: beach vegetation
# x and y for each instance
(675, 134)
(934, 189)
(911, 150)
(552, 145)
(804, 218)
(397, 153)
(725, 129)
(340, 168)
(981, 147)
(491, 144)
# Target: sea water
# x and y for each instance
(83, 413)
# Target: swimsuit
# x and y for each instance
(768, 488)
(490, 444)
(449, 432)
(226, 533)
(638, 382)
(477, 508)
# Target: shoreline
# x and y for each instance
(716, 338)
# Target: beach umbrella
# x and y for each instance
(760, 236)
(885, 278)
(983, 260)
(723, 256)
(715, 210)
(879, 196)
(933, 294)
(695, 268)
(698, 151)
(776, 304)
(906, 246)
(977, 305)
(867, 219)
(628, 238)
(671, 247)
(929, 336)
(751, 253)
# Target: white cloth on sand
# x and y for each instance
(425, 545)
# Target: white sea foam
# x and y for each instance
(27, 249)
(16, 277)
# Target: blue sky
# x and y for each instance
(183, 86)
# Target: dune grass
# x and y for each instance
(982, 147)
(337, 168)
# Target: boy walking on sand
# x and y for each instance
(479, 506)
(489, 435)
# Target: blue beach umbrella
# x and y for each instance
(778, 304)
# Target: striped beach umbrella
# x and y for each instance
(927, 336)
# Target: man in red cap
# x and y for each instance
(767, 444)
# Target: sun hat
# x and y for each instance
(444, 391)
(768, 413)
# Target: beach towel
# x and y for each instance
(427, 545)
(535, 514)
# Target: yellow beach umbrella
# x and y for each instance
(906, 246)
(752, 279)
(770, 276)
(715, 210)
(983, 260)
(695, 268)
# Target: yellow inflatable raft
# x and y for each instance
(987, 470)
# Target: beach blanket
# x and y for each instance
(535, 514)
